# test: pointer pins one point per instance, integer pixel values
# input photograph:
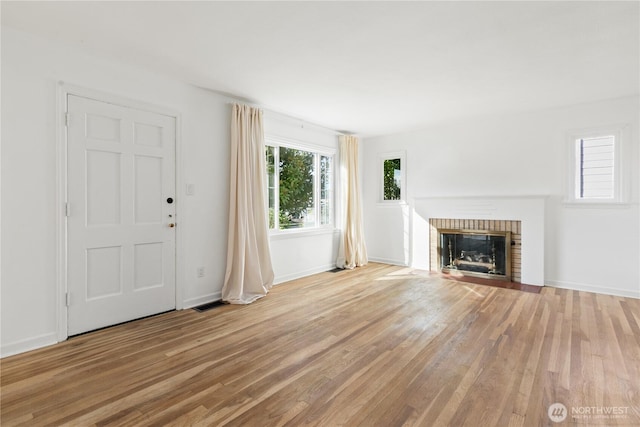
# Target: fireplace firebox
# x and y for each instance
(480, 253)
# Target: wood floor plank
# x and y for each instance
(377, 346)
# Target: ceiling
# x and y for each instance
(365, 67)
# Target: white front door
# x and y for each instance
(121, 214)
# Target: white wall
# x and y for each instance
(516, 155)
(31, 70)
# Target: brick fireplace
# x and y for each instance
(524, 216)
(476, 227)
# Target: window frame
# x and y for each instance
(317, 151)
(620, 179)
(382, 157)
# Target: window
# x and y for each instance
(393, 177)
(300, 186)
(596, 166)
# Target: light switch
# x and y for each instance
(191, 189)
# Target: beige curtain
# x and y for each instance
(352, 251)
(249, 274)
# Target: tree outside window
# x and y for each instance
(392, 179)
(392, 182)
(296, 188)
(301, 197)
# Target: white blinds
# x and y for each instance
(595, 167)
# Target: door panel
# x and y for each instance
(121, 249)
(99, 127)
(104, 272)
(103, 188)
(148, 190)
(146, 134)
(148, 261)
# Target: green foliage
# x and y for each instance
(392, 179)
(296, 186)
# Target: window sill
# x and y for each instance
(301, 233)
(583, 204)
(392, 203)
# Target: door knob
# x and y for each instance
(170, 200)
(172, 225)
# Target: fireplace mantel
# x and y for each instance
(529, 210)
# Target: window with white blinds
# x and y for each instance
(595, 167)
(598, 172)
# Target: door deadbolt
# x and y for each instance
(170, 200)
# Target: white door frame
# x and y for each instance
(63, 90)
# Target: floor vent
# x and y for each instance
(208, 306)
(336, 270)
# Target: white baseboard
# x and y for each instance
(299, 274)
(591, 288)
(400, 263)
(204, 299)
(28, 344)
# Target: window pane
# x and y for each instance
(271, 185)
(595, 168)
(326, 185)
(392, 179)
(296, 188)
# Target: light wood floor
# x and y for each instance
(380, 345)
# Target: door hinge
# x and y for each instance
(67, 119)
(67, 299)
(67, 209)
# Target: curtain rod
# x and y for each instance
(288, 117)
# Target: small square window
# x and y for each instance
(597, 166)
